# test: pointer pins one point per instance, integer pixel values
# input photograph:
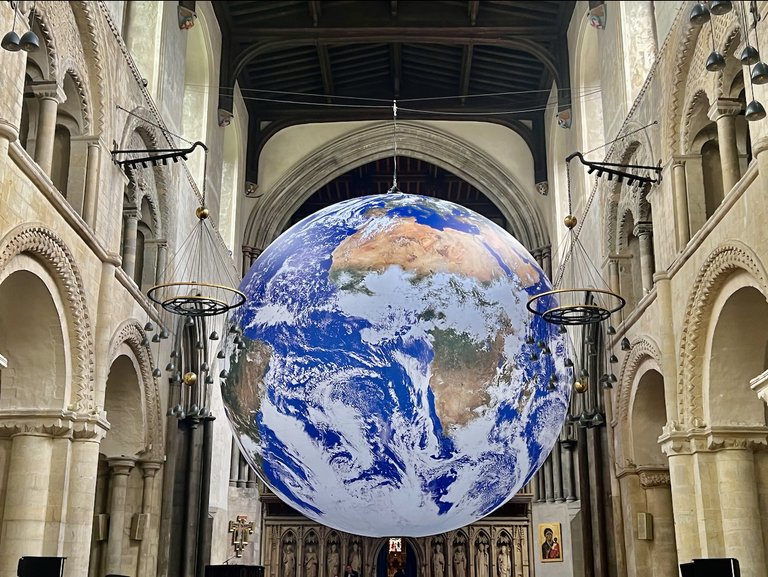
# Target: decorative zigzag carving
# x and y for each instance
(50, 249)
(717, 268)
(131, 333)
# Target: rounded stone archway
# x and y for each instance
(272, 214)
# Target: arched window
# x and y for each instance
(66, 175)
(231, 180)
(61, 154)
(712, 174)
(197, 81)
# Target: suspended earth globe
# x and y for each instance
(384, 376)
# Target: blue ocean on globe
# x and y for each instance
(385, 377)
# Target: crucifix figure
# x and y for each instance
(240, 529)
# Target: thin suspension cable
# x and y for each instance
(622, 137)
(394, 142)
(385, 100)
(164, 129)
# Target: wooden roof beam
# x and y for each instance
(325, 70)
(393, 8)
(396, 68)
(466, 71)
(315, 11)
(473, 9)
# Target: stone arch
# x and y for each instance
(719, 266)
(644, 351)
(83, 97)
(695, 118)
(49, 54)
(131, 334)
(270, 217)
(733, 67)
(87, 21)
(682, 46)
(48, 248)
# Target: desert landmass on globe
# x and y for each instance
(461, 371)
(419, 249)
(242, 387)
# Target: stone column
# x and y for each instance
(724, 112)
(26, 500)
(234, 464)
(83, 474)
(557, 473)
(162, 261)
(49, 96)
(658, 500)
(92, 170)
(569, 480)
(682, 223)
(242, 478)
(548, 479)
(149, 469)
(644, 232)
(682, 473)
(132, 217)
(739, 506)
(546, 261)
(120, 468)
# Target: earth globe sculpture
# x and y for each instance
(384, 376)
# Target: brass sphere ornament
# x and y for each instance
(580, 386)
(202, 212)
(570, 221)
(189, 378)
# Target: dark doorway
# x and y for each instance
(393, 557)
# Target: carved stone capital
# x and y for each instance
(60, 424)
(132, 213)
(121, 465)
(711, 439)
(651, 478)
(149, 467)
(724, 107)
(643, 229)
(760, 385)
(49, 90)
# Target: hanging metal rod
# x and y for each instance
(156, 156)
(610, 169)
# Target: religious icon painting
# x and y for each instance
(550, 543)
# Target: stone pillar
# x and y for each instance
(742, 531)
(682, 482)
(162, 261)
(149, 469)
(92, 170)
(682, 223)
(548, 479)
(724, 112)
(557, 473)
(242, 477)
(49, 96)
(84, 470)
(569, 480)
(644, 232)
(132, 217)
(234, 464)
(26, 500)
(120, 468)
(658, 498)
(546, 261)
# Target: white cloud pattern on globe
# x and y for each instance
(386, 385)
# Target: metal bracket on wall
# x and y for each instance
(619, 171)
(155, 157)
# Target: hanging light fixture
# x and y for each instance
(718, 8)
(754, 111)
(749, 56)
(715, 60)
(10, 41)
(699, 14)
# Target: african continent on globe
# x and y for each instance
(392, 382)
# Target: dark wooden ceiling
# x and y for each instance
(315, 61)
